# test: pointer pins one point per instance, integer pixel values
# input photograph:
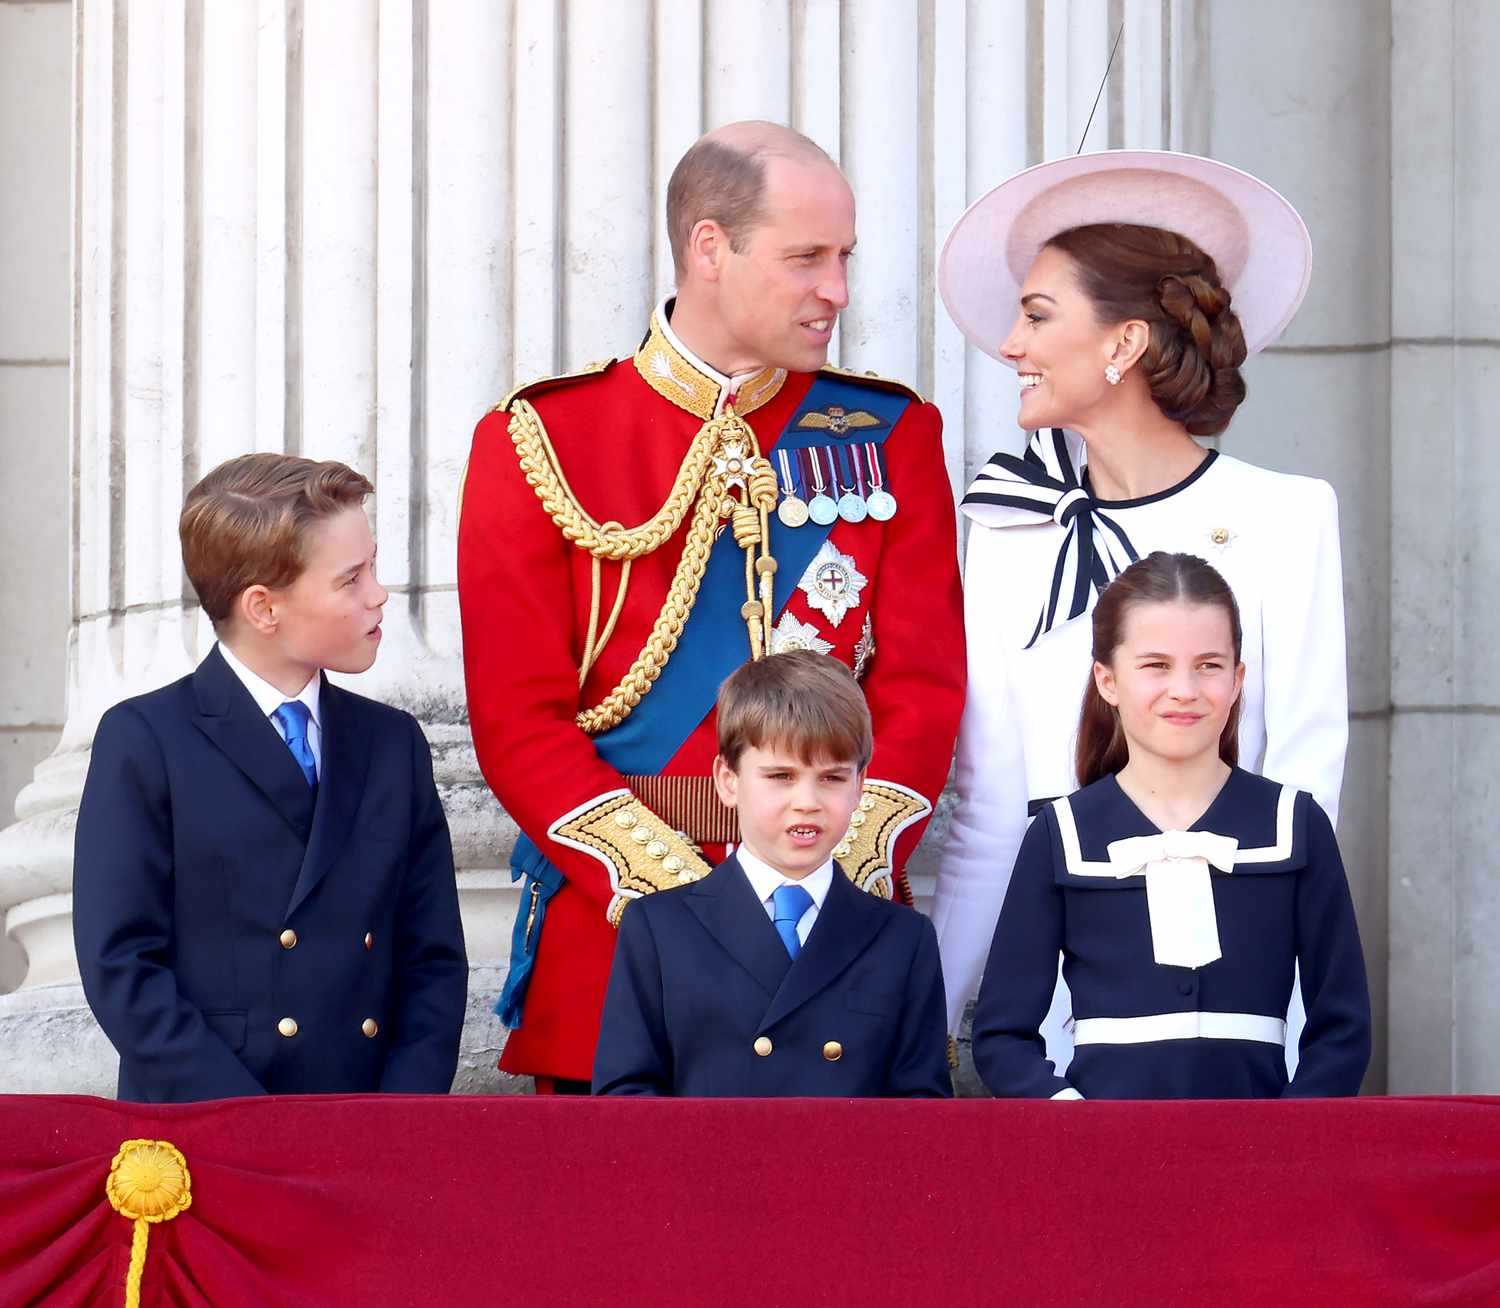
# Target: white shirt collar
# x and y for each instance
(267, 698)
(764, 878)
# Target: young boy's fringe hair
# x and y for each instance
(801, 701)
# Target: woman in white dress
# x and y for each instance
(1127, 288)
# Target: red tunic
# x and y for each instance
(525, 595)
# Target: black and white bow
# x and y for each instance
(1045, 483)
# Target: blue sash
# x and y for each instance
(713, 644)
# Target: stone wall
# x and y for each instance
(35, 244)
(345, 230)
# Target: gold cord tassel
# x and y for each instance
(762, 494)
(148, 1182)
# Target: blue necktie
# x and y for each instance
(788, 904)
(293, 717)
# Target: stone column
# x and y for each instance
(247, 278)
(345, 228)
(35, 180)
(1445, 560)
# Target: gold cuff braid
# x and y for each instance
(884, 811)
(645, 853)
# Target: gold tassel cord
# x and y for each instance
(148, 1183)
(762, 494)
(724, 455)
(597, 640)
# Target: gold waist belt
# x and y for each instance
(689, 805)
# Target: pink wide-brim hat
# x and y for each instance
(1258, 241)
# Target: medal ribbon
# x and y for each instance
(788, 486)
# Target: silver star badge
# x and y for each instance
(832, 583)
(790, 634)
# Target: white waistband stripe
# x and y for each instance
(1179, 1026)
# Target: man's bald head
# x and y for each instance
(722, 177)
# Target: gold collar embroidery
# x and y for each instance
(691, 384)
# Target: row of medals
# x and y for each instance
(823, 509)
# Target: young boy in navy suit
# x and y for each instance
(263, 888)
(774, 975)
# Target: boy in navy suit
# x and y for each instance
(774, 975)
(263, 888)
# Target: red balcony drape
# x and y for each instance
(394, 1201)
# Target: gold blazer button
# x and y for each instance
(288, 939)
(369, 941)
(763, 1046)
(833, 1051)
(370, 1027)
(287, 1026)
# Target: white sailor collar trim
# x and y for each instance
(1277, 857)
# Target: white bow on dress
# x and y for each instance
(1179, 890)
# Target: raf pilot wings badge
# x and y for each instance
(838, 420)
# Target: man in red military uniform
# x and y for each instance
(633, 532)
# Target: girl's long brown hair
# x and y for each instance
(1159, 578)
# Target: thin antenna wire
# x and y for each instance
(1103, 82)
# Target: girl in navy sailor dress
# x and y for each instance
(1180, 889)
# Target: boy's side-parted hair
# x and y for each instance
(246, 523)
(802, 701)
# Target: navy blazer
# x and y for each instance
(704, 1000)
(237, 938)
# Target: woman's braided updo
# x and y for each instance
(1192, 364)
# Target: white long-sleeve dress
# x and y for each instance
(1273, 536)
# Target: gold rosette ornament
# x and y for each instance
(148, 1182)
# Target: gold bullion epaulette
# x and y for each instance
(548, 383)
(874, 379)
(885, 810)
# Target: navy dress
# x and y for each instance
(1145, 1030)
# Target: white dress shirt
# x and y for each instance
(268, 699)
(765, 880)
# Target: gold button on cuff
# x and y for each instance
(288, 939)
(287, 1026)
(833, 1051)
(369, 941)
(762, 1046)
(370, 1027)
